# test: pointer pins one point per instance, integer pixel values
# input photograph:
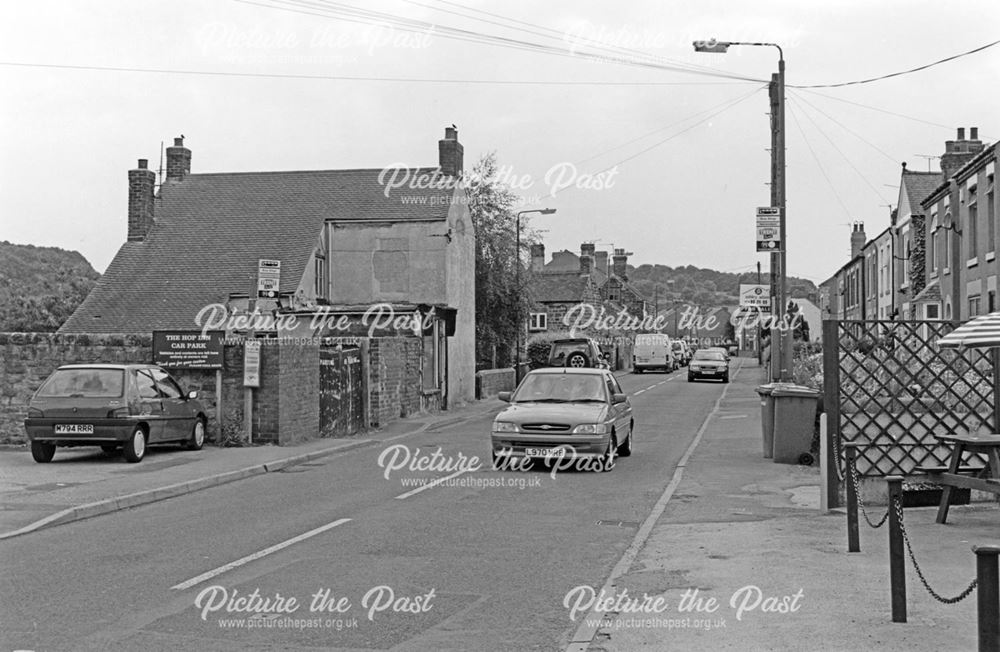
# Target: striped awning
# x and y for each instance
(980, 332)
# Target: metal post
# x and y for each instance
(517, 284)
(853, 540)
(784, 334)
(988, 598)
(897, 560)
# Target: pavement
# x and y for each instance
(750, 534)
(737, 553)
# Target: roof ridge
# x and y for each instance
(249, 173)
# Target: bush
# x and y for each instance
(233, 434)
(538, 348)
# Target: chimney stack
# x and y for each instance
(450, 153)
(960, 151)
(178, 161)
(537, 257)
(141, 182)
(618, 264)
(601, 261)
(586, 264)
(858, 239)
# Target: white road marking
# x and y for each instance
(590, 623)
(257, 555)
(431, 484)
(734, 416)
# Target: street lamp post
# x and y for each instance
(781, 344)
(517, 271)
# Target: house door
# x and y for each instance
(341, 407)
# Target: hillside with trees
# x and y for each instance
(40, 287)
(688, 284)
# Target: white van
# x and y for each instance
(653, 351)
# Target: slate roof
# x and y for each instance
(558, 287)
(919, 185)
(930, 294)
(211, 229)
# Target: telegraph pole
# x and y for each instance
(781, 344)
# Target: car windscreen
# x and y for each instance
(560, 388)
(709, 355)
(84, 383)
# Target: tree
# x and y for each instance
(502, 303)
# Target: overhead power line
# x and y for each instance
(411, 80)
(902, 72)
(798, 96)
(349, 13)
(875, 108)
(820, 165)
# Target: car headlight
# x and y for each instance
(591, 429)
(504, 426)
(35, 413)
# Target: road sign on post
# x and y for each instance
(268, 278)
(769, 229)
(756, 296)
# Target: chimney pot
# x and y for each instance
(961, 133)
(178, 161)
(973, 133)
(143, 164)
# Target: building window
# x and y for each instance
(972, 226)
(538, 321)
(320, 280)
(991, 222)
(973, 306)
(946, 249)
(991, 301)
(931, 311)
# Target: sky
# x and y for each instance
(635, 139)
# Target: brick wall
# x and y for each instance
(298, 392)
(396, 389)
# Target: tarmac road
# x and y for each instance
(371, 561)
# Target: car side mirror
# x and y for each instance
(504, 396)
(193, 394)
(618, 398)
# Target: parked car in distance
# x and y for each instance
(721, 349)
(682, 352)
(113, 406)
(576, 352)
(709, 363)
(653, 351)
(558, 412)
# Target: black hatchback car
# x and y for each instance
(113, 406)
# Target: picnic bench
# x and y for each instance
(957, 474)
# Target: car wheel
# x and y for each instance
(42, 452)
(636, 370)
(610, 453)
(690, 378)
(197, 439)
(577, 359)
(626, 448)
(109, 448)
(135, 448)
(725, 378)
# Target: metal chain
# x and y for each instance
(836, 455)
(853, 473)
(961, 596)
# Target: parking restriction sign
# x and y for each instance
(769, 229)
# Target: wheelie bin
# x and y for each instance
(794, 423)
(767, 418)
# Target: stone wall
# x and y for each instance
(490, 382)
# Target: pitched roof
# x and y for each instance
(211, 229)
(919, 185)
(557, 287)
(930, 294)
